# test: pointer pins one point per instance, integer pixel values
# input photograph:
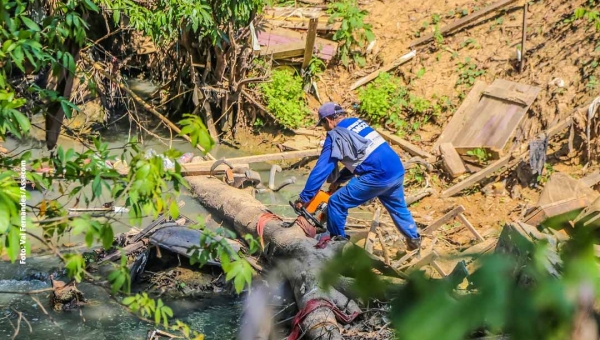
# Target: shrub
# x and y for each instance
(353, 33)
(386, 100)
(285, 99)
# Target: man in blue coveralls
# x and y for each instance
(373, 168)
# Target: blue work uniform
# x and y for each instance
(378, 173)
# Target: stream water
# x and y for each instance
(103, 318)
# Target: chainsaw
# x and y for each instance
(315, 211)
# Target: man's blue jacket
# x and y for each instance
(380, 164)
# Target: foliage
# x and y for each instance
(120, 278)
(148, 307)
(592, 84)
(285, 98)
(353, 33)
(316, 66)
(545, 176)
(385, 100)
(195, 128)
(470, 43)
(415, 175)
(213, 245)
(506, 295)
(468, 71)
(591, 14)
(165, 19)
(480, 154)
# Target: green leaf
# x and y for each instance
(174, 210)
(128, 300)
(96, 186)
(30, 24)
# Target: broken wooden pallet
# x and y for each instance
(299, 18)
(454, 213)
(284, 43)
(489, 117)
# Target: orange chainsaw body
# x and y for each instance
(318, 204)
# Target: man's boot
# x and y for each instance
(413, 243)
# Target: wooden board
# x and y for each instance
(443, 220)
(299, 17)
(406, 146)
(476, 178)
(269, 36)
(403, 59)
(283, 51)
(452, 161)
(459, 118)
(492, 121)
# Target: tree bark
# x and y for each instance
(289, 251)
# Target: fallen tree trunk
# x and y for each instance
(287, 249)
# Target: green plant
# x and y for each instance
(149, 308)
(468, 71)
(470, 43)
(415, 175)
(353, 33)
(592, 84)
(545, 176)
(316, 66)
(285, 98)
(498, 22)
(592, 15)
(480, 154)
(385, 100)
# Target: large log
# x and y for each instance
(286, 249)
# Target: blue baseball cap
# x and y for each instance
(329, 109)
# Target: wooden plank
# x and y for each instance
(310, 42)
(373, 231)
(432, 256)
(403, 59)
(406, 146)
(591, 179)
(521, 98)
(476, 178)
(451, 160)
(469, 226)
(304, 25)
(280, 156)
(443, 220)
(463, 21)
(299, 17)
(384, 249)
(439, 269)
(283, 51)
(459, 118)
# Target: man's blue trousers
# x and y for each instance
(359, 191)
